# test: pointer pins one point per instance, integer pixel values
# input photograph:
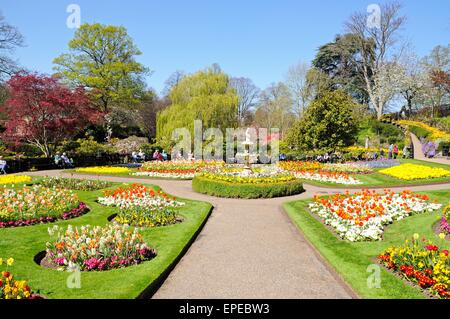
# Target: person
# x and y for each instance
(134, 157)
(157, 156)
(164, 155)
(381, 153)
(391, 148)
(67, 163)
(57, 159)
(141, 155)
(405, 152)
(191, 156)
(3, 165)
(395, 151)
(282, 157)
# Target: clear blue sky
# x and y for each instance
(258, 39)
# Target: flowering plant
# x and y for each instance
(73, 183)
(436, 134)
(413, 171)
(177, 169)
(422, 263)
(142, 206)
(444, 223)
(14, 179)
(268, 175)
(352, 168)
(381, 163)
(10, 288)
(316, 171)
(363, 215)
(34, 204)
(97, 248)
(103, 170)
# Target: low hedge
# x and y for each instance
(237, 190)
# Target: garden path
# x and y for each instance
(418, 154)
(248, 248)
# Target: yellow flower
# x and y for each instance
(1, 261)
(442, 236)
(416, 236)
(413, 171)
(10, 261)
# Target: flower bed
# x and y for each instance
(177, 169)
(14, 179)
(435, 134)
(413, 171)
(362, 216)
(382, 163)
(238, 183)
(316, 172)
(422, 263)
(37, 204)
(444, 223)
(351, 168)
(103, 170)
(96, 248)
(142, 206)
(73, 183)
(11, 288)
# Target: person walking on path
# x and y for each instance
(391, 148)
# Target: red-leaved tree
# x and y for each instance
(42, 112)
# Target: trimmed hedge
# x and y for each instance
(237, 190)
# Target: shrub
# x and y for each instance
(236, 190)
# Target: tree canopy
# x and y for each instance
(205, 95)
(327, 124)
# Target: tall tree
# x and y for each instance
(327, 124)
(102, 59)
(204, 95)
(172, 81)
(302, 90)
(42, 112)
(248, 94)
(275, 108)
(148, 110)
(339, 59)
(10, 39)
(375, 57)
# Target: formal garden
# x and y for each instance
(101, 197)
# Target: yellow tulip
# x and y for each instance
(10, 261)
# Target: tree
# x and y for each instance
(42, 112)
(374, 58)
(172, 81)
(147, 113)
(327, 124)
(10, 39)
(275, 108)
(302, 90)
(339, 60)
(102, 60)
(248, 96)
(205, 96)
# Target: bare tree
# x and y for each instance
(10, 39)
(374, 58)
(248, 94)
(302, 91)
(172, 81)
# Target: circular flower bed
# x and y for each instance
(142, 206)
(423, 264)
(37, 204)
(413, 171)
(14, 179)
(177, 169)
(362, 216)
(91, 248)
(239, 183)
(103, 170)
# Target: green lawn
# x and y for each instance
(381, 180)
(24, 243)
(351, 260)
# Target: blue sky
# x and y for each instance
(258, 39)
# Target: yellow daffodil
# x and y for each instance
(10, 261)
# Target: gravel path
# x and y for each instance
(419, 155)
(248, 249)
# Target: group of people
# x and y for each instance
(137, 157)
(160, 156)
(3, 165)
(63, 160)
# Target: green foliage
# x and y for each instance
(419, 131)
(234, 190)
(204, 95)
(86, 147)
(102, 58)
(380, 134)
(327, 124)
